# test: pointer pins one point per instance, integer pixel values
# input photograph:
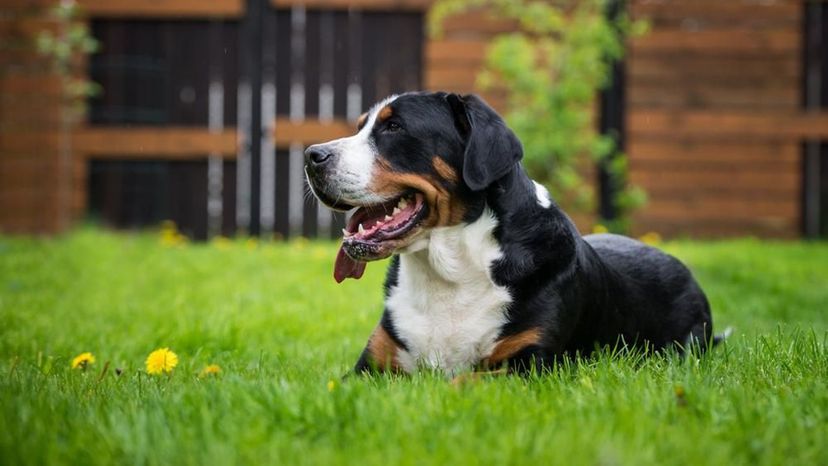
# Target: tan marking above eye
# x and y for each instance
(509, 346)
(361, 121)
(385, 113)
(444, 169)
(383, 350)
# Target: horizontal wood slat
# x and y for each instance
(714, 69)
(173, 143)
(718, 42)
(194, 143)
(416, 5)
(309, 132)
(717, 226)
(162, 8)
(455, 51)
(450, 77)
(731, 13)
(692, 149)
(779, 125)
(734, 180)
(480, 23)
(784, 97)
(735, 209)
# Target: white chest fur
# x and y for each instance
(445, 307)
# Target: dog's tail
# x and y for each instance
(718, 339)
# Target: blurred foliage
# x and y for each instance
(67, 46)
(551, 71)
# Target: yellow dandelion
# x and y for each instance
(212, 369)
(161, 360)
(221, 242)
(598, 228)
(331, 385)
(650, 238)
(83, 360)
(251, 243)
(170, 236)
(300, 243)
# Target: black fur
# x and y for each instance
(583, 292)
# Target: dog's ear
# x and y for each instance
(492, 149)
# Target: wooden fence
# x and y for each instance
(715, 116)
(724, 109)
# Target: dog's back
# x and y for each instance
(649, 296)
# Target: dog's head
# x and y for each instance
(418, 161)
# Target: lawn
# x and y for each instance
(272, 317)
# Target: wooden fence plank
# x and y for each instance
(310, 131)
(170, 143)
(454, 77)
(685, 96)
(162, 8)
(730, 207)
(722, 163)
(692, 149)
(718, 42)
(188, 143)
(779, 125)
(713, 69)
(396, 5)
(717, 226)
(467, 51)
(713, 180)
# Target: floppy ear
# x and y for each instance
(492, 149)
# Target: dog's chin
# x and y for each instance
(376, 232)
(326, 199)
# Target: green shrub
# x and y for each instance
(551, 71)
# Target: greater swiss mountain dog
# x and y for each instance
(486, 270)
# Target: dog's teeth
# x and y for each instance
(403, 204)
(396, 211)
(360, 229)
(346, 232)
(388, 217)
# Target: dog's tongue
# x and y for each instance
(345, 267)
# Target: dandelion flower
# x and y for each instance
(331, 385)
(212, 369)
(83, 360)
(598, 228)
(161, 360)
(170, 236)
(651, 238)
(221, 242)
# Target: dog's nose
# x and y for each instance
(318, 155)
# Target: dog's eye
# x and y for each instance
(392, 127)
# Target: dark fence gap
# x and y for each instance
(815, 98)
(612, 123)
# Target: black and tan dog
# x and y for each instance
(486, 269)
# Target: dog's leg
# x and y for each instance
(379, 355)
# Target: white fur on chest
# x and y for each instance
(445, 307)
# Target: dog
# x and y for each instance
(487, 272)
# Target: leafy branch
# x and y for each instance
(551, 70)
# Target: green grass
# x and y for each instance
(272, 317)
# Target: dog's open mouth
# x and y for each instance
(375, 231)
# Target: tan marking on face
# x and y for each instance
(509, 346)
(383, 350)
(361, 121)
(443, 208)
(444, 169)
(384, 114)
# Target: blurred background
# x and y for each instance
(699, 118)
